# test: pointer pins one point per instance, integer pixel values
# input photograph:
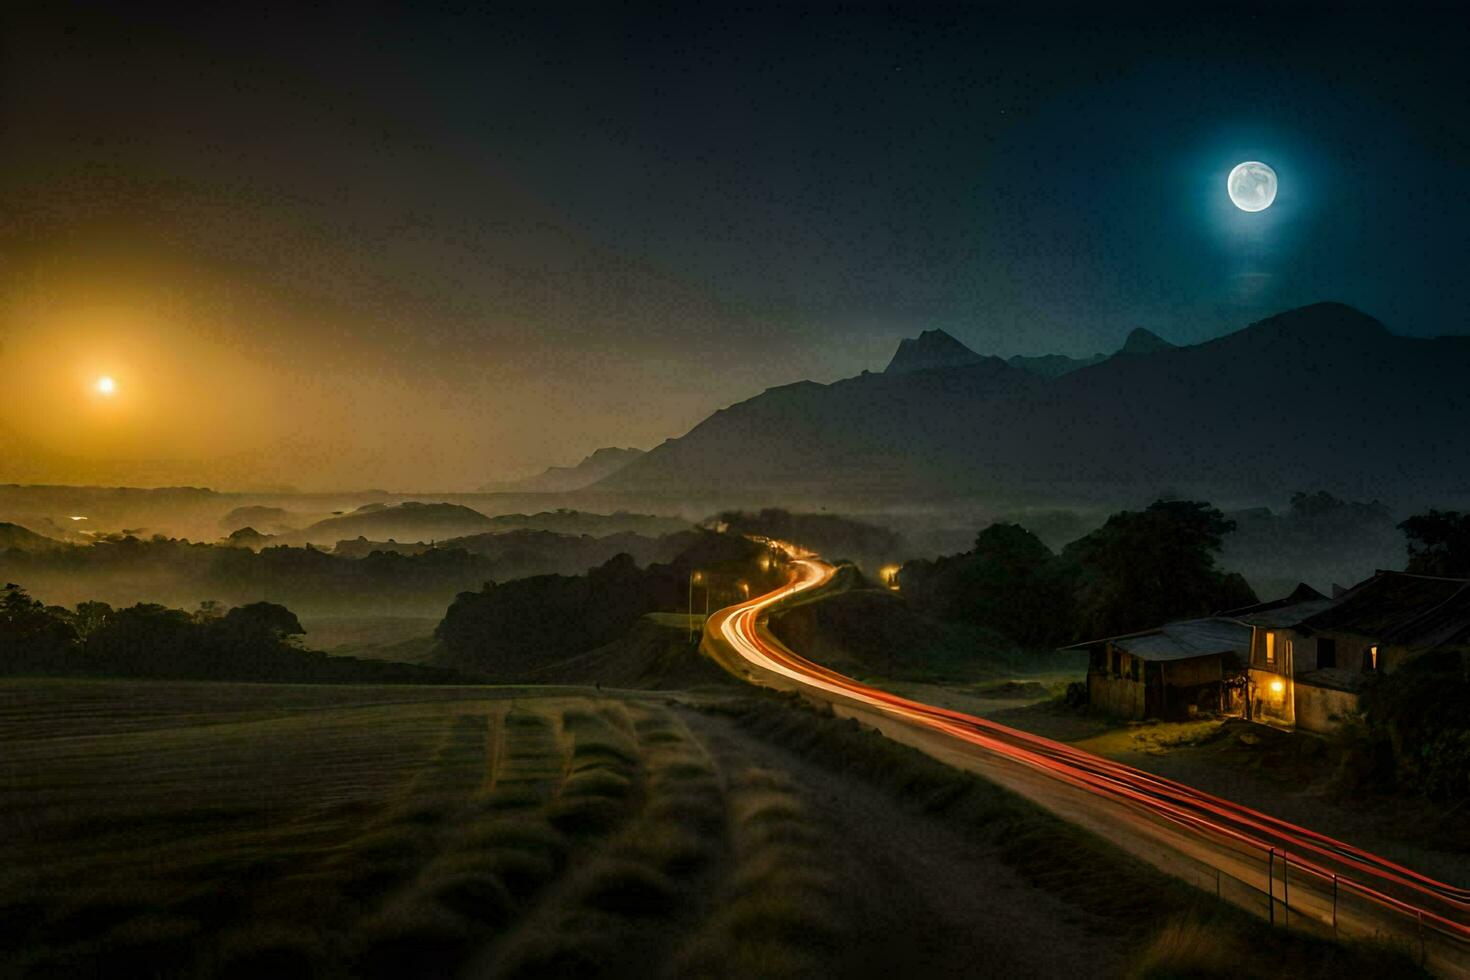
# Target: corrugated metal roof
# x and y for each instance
(1284, 615)
(1415, 610)
(1184, 640)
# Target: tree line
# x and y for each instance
(1139, 570)
(254, 642)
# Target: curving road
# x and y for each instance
(1285, 873)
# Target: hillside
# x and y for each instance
(583, 522)
(24, 539)
(564, 479)
(1321, 396)
(656, 654)
(1054, 365)
(930, 349)
(410, 521)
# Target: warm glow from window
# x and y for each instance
(1373, 656)
(1277, 687)
(105, 385)
(1270, 648)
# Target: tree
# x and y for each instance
(1010, 583)
(209, 610)
(1439, 543)
(31, 638)
(266, 619)
(90, 617)
(1141, 569)
(145, 639)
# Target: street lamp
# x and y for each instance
(696, 577)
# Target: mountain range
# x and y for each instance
(1323, 396)
(564, 479)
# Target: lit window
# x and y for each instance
(1270, 647)
(1373, 657)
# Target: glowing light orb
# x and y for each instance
(1252, 186)
(105, 385)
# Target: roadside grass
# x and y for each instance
(1121, 893)
(777, 914)
(1191, 945)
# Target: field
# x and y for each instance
(195, 829)
(407, 639)
(302, 831)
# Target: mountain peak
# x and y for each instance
(930, 349)
(1141, 341)
(1325, 321)
(562, 479)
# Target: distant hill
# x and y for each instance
(1051, 366)
(564, 479)
(409, 521)
(937, 349)
(584, 522)
(1054, 365)
(267, 520)
(655, 654)
(930, 349)
(1321, 396)
(24, 539)
(1141, 341)
(519, 553)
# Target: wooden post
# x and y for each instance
(1163, 692)
(1285, 889)
(1271, 884)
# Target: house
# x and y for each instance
(1283, 682)
(1299, 661)
(1310, 660)
(1173, 671)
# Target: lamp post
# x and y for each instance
(696, 577)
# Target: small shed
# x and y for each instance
(1172, 671)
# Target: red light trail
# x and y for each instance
(1369, 894)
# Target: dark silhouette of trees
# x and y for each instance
(503, 630)
(90, 617)
(30, 635)
(828, 534)
(257, 642)
(1143, 568)
(1439, 543)
(1138, 570)
(1010, 582)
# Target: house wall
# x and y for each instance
(1284, 655)
(1322, 709)
(1188, 673)
(1351, 651)
(1125, 693)
(1120, 696)
(1268, 705)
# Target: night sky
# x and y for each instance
(354, 247)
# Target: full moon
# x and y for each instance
(105, 385)
(1252, 186)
